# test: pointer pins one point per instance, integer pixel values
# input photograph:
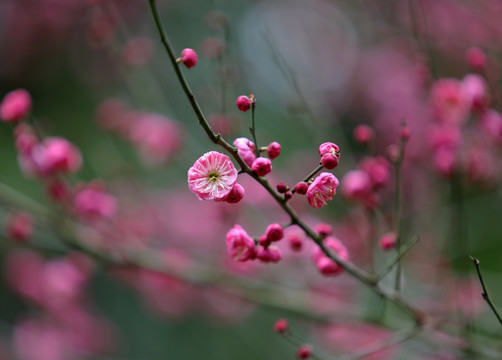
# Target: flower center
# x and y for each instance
(213, 176)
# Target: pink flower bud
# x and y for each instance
(329, 161)
(240, 246)
(322, 189)
(288, 195)
(188, 57)
(235, 195)
(301, 188)
(15, 106)
(281, 326)
(273, 150)
(274, 232)
(405, 133)
(264, 241)
(270, 254)
(282, 188)
(388, 241)
(262, 166)
(243, 103)
(304, 352)
(363, 134)
(476, 58)
(19, 227)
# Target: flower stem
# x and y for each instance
(311, 175)
(398, 223)
(252, 129)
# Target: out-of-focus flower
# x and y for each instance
(94, 203)
(325, 265)
(19, 227)
(15, 106)
(55, 155)
(212, 177)
(450, 103)
(137, 51)
(388, 241)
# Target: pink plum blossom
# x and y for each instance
(322, 189)
(212, 177)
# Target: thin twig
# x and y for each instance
(485, 291)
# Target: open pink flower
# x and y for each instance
(212, 177)
(322, 189)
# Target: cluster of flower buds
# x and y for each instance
(241, 247)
